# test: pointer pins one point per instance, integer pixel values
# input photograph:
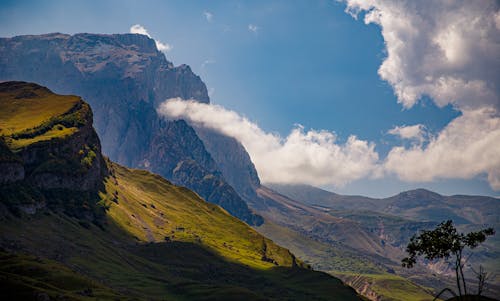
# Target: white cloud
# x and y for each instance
(468, 146)
(313, 157)
(410, 132)
(447, 50)
(208, 15)
(253, 28)
(139, 29)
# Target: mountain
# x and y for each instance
(76, 226)
(233, 160)
(124, 78)
(389, 223)
(419, 204)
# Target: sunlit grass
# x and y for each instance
(152, 209)
(57, 131)
(17, 115)
(391, 287)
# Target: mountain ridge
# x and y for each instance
(124, 78)
(151, 239)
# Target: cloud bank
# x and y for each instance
(447, 50)
(139, 29)
(312, 157)
(468, 146)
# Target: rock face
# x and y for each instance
(11, 165)
(233, 161)
(124, 78)
(72, 161)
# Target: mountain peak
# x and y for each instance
(419, 193)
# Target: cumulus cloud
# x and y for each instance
(139, 29)
(411, 132)
(447, 50)
(313, 157)
(253, 28)
(208, 15)
(468, 146)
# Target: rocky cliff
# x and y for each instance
(41, 151)
(124, 78)
(48, 147)
(233, 161)
(74, 226)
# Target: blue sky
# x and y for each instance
(279, 63)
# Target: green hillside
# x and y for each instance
(354, 268)
(374, 233)
(134, 236)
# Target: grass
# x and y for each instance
(153, 216)
(57, 131)
(137, 235)
(321, 256)
(389, 287)
(209, 254)
(19, 113)
(24, 277)
(350, 266)
(30, 114)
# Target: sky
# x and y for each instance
(358, 97)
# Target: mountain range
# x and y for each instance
(125, 78)
(77, 226)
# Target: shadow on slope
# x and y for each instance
(102, 259)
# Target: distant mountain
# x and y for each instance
(387, 225)
(124, 78)
(419, 204)
(75, 226)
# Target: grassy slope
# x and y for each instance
(156, 241)
(351, 267)
(388, 286)
(390, 230)
(22, 111)
(26, 277)
(210, 254)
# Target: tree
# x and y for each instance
(444, 242)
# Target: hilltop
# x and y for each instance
(124, 78)
(76, 225)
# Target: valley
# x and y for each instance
(131, 235)
(146, 207)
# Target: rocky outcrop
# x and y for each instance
(214, 189)
(194, 169)
(233, 161)
(53, 158)
(124, 78)
(71, 162)
(174, 142)
(11, 172)
(10, 165)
